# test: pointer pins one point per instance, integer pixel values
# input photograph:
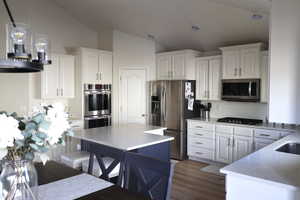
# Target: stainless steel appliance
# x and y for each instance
(171, 103)
(246, 90)
(234, 120)
(97, 105)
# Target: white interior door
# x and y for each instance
(132, 96)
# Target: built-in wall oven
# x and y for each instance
(246, 90)
(97, 105)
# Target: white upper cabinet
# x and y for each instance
(90, 64)
(241, 62)
(67, 77)
(264, 77)
(96, 66)
(208, 77)
(58, 79)
(164, 66)
(202, 76)
(177, 65)
(231, 63)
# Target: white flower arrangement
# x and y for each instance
(24, 138)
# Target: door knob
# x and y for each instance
(144, 115)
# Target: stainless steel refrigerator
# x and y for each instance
(171, 103)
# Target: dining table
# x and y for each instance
(54, 173)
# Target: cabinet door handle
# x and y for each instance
(233, 142)
(62, 92)
(235, 71)
(228, 141)
(266, 135)
(240, 70)
(57, 92)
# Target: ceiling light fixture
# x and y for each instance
(256, 16)
(195, 28)
(24, 53)
(151, 37)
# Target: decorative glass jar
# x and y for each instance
(18, 180)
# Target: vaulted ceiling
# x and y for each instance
(221, 22)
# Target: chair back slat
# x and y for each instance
(146, 175)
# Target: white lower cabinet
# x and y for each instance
(261, 143)
(225, 143)
(242, 146)
(223, 148)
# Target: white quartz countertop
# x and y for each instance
(269, 126)
(269, 165)
(124, 137)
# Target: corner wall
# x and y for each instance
(284, 101)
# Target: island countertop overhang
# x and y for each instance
(123, 137)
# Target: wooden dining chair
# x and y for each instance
(108, 159)
(147, 176)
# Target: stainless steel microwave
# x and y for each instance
(245, 90)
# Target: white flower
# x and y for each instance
(58, 121)
(9, 131)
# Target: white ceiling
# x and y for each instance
(221, 22)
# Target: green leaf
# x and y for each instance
(19, 143)
(31, 125)
(34, 147)
(37, 139)
(41, 135)
(38, 118)
(27, 133)
(44, 125)
(29, 156)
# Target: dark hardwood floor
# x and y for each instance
(190, 183)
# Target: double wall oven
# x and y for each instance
(97, 105)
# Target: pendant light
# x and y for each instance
(20, 46)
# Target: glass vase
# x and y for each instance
(19, 180)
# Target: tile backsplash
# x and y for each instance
(238, 109)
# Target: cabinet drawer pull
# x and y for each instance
(199, 153)
(199, 127)
(266, 135)
(199, 143)
(199, 134)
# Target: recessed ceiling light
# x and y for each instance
(195, 28)
(257, 16)
(152, 37)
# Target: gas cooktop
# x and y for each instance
(245, 121)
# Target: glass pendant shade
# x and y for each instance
(42, 49)
(19, 41)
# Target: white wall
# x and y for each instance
(130, 52)
(46, 17)
(285, 62)
(239, 109)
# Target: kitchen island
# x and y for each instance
(116, 140)
(266, 174)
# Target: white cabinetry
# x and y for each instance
(58, 79)
(96, 66)
(264, 77)
(241, 62)
(208, 78)
(227, 143)
(242, 146)
(176, 65)
(223, 148)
